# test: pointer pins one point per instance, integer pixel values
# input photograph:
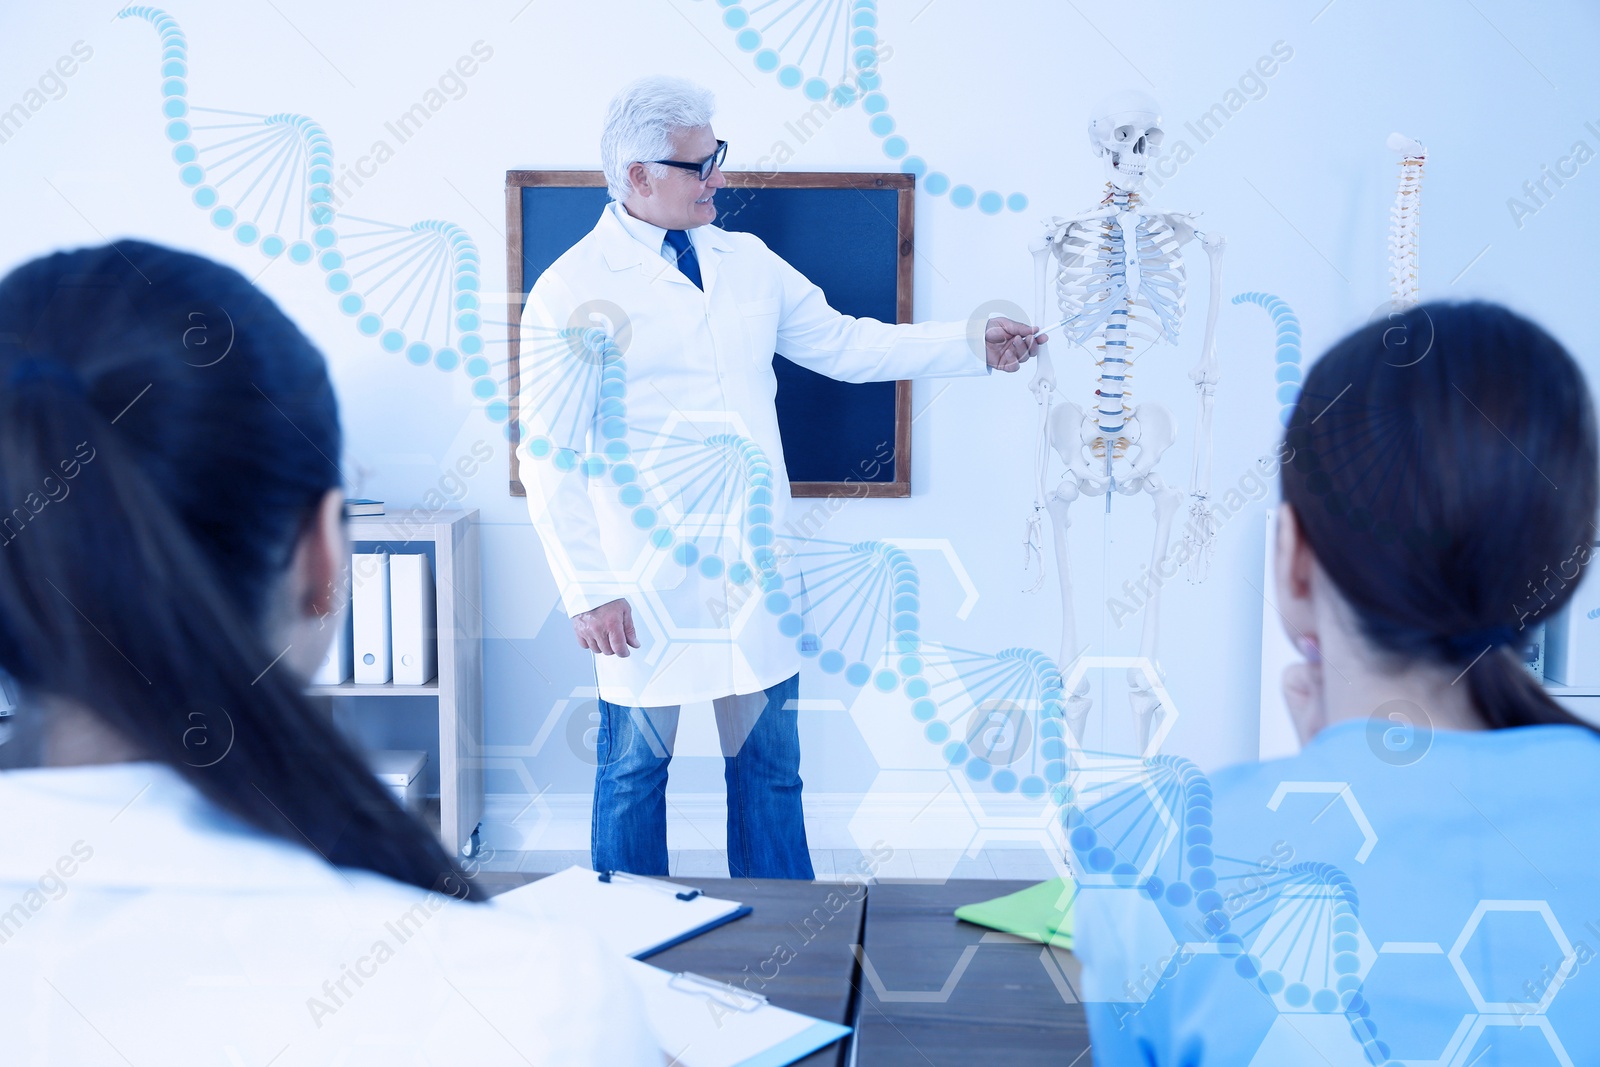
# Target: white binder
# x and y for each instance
(369, 617)
(337, 665)
(411, 611)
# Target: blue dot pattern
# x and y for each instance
(1288, 376)
(859, 81)
(460, 271)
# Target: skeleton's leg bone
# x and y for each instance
(1065, 429)
(1060, 504)
(1077, 710)
(1166, 500)
(1146, 706)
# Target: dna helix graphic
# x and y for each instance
(1291, 930)
(267, 180)
(1287, 326)
(1124, 815)
(1146, 826)
(830, 50)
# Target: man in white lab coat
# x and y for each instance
(656, 480)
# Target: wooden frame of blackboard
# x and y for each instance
(904, 184)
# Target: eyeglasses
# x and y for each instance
(702, 168)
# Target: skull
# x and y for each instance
(1126, 133)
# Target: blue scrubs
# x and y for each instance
(1386, 896)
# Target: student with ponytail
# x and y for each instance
(1423, 874)
(194, 859)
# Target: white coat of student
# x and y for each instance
(196, 867)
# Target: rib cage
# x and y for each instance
(1090, 282)
(1103, 310)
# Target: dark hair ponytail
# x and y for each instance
(1444, 472)
(166, 434)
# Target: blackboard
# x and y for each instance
(851, 234)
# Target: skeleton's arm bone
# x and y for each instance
(1206, 373)
(1044, 373)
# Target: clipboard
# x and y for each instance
(634, 916)
(701, 1022)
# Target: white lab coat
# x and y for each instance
(697, 365)
(141, 924)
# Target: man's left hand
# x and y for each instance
(1010, 344)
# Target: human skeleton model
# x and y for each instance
(1119, 284)
(1405, 220)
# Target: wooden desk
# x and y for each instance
(1012, 1002)
(795, 947)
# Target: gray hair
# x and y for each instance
(639, 125)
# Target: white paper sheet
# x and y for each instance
(707, 1030)
(634, 916)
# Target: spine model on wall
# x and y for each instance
(1405, 222)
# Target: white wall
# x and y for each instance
(994, 94)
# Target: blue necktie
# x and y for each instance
(688, 262)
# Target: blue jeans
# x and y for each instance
(760, 740)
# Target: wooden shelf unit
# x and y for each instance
(388, 689)
(458, 685)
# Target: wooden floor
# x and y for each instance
(829, 864)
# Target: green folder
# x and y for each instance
(1041, 912)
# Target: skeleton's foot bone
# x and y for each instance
(1146, 706)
